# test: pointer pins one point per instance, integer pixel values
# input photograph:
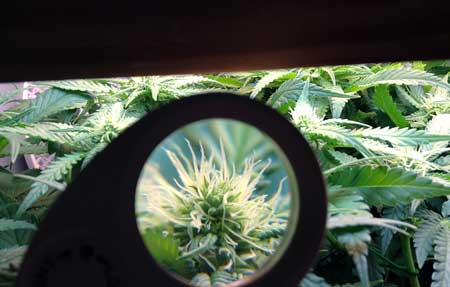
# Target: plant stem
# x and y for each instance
(407, 255)
(333, 241)
(410, 272)
(389, 263)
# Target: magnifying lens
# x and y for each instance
(211, 190)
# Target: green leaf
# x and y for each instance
(401, 76)
(11, 224)
(10, 260)
(360, 260)
(185, 81)
(385, 102)
(426, 234)
(413, 98)
(14, 142)
(439, 125)
(226, 81)
(337, 105)
(342, 157)
(343, 202)
(53, 132)
(444, 176)
(441, 274)
(398, 212)
(265, 81)
(201, 280)
(164, 249)
(3, 144)
(6, 96)
(206, 243)
(340, 134)
(27, 148)
(14, 237)
(112, 117)
(134, 95)
(53, 101)
(400, 137)
(217, 279)
(446, 208)
(291, 90)
(93, 86)
(344, 221)
(11, 256)
(13, 186)
(312, 280)
(352, 72)
(356, 245)
(54, 172)
(221, 279)
(385, 186)
(270, 231)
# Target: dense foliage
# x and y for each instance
(381, 133)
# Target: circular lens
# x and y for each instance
(215, 202)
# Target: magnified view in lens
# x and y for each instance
(214, 201)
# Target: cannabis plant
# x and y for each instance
(212, 213)
(381, 134)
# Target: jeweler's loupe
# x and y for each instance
(212, 190)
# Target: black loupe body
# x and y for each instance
(91, 235)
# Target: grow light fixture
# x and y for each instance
(90, 236)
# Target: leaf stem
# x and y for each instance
(333, 241)
(409, 260)
(389, 263)
(356, 162)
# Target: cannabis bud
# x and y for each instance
(214, 215)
